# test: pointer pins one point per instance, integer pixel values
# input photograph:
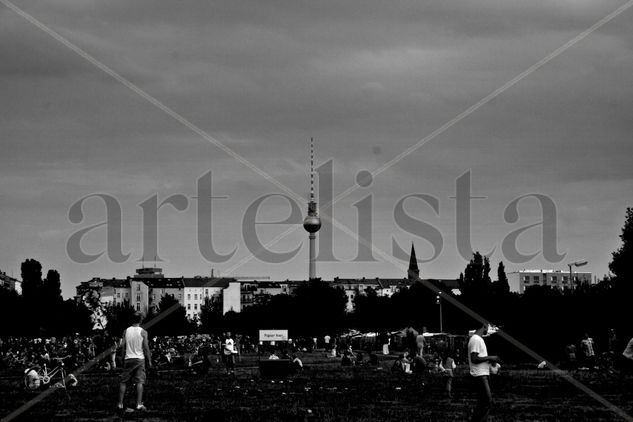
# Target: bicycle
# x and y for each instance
(36, 376)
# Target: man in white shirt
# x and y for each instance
(135, 352)
(479, 364)
(228, 352)
(628, 351)
(628, 356)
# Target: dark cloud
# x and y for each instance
(366, 78)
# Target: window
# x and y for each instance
(138, 287)
(195, 297)
(554, 279)
(138, 306)
(188, 296)
(195, 306)
(526, 278)
(535, 278)
(138, 298)
(179, 296)
(206, 292)
(126, 295)
(118, 295)
(565, 278)
(188, 306)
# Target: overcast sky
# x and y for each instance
(367, 79)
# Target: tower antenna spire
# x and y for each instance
(312, 169)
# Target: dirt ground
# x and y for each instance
(327, 392)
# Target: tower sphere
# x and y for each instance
(312, 223)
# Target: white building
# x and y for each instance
(10, 283)
(520, 280)
(144, 291)
(358, 286)
(198, 289)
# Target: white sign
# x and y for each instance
(273, 335)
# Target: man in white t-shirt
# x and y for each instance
(135, 354)
(628, 356)
(228, 353)
(479, 364)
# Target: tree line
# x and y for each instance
(544, 318)
(40, 311)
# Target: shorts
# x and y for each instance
(133, 369)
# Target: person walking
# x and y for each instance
(135, 353)
(448, 366)
(479, 365)
(384, 337)
(588, 351)
(228, 353)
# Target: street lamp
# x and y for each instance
(438, 301)
(575, 264)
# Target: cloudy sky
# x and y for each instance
(367, 79)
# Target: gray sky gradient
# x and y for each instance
(367, 79)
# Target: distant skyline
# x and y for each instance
(367, 79)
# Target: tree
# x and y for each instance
(72, 317)
(11, 305)
(31, 271)
(171, 318)
(622, 264)
(210, 316)
(119, 317)
(319, 308)
(485, 275)
(502, 286)
(371, 311)
(52, 290)
(476, 280)
(32, 313)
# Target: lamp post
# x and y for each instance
(575, 264)
(438, 301)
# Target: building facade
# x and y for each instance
(10, 283)
(148, 286)
(520, 280)
(145, 290)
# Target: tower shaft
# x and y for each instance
(312, 262)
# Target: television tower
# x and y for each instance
(312, 222)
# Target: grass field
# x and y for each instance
(327, 392)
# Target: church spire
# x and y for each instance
(414, 271)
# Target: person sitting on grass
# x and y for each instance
(373, 359)
(402, 365)
(348, 357)
(359, 359)
(297, 364)
(418, 365)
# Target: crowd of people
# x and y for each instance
(203, 349)
(20, 352)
